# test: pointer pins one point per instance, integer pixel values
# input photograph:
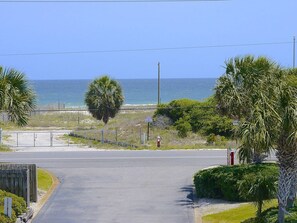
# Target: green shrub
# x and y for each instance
(202, 116)
(270, 216)
(183, 127)
(18, 206)
(211, 139)
(223, 182)
(176, 109)
(258, 188)
(5, 219)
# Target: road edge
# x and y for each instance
(47, 195)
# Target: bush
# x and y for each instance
(271, 214)
(202, 116)
(223, 182)
(213, 139)
(183, 127)
(176, 109)
(162, 122)
(18, 206)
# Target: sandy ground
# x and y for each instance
(41, 141)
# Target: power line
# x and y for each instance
(143, 49)
(103, 1)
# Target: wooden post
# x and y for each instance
(148, 131)
(102, 136)
(116, 132)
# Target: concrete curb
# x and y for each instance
(48, 194)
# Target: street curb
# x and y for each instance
(48, 194)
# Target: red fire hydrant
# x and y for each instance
(158, 141)
(232, 158)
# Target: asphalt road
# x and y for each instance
(120, 186)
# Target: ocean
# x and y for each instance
(70, 93)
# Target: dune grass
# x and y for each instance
(4, 148)
(128, 127)
(236, 215)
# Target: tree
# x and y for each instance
(246, 90)
(287, 147)
(258, 188)
(16, 97)
(104, 98)
(264, 97)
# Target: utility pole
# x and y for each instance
(159, 101)
(294, 52)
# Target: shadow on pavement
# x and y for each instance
(189, 199)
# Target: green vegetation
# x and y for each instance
(104, 98)
(129, 126)
(63, 120)
(199, 117)
(45, 180)
(16, 98)
(262, 96)
(18, 204)
(231, 182)
(259, 188)
(246, 214)
(18, 207)
(4, 148)
(236, 215)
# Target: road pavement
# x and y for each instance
(120, 186)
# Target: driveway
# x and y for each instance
(113, 186)
(120, 186)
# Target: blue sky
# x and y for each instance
(71, 30)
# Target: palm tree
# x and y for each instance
(104, 98)
(256, 135)
(287, 147)
(246, 89)
(259, 189)
(265, 98)
(17, 99)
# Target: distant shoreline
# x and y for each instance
(84, 108)
(70, 94)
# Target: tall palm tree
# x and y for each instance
(287, 147)
(265, 98)
(246, 88)
(104, 98)
(17, 99)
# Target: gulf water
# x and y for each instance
(71, 93)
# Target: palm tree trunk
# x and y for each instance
(292, 195)
(259, 210)
(286, 177)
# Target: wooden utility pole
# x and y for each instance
(294, 52)
(159, 101)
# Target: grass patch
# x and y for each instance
(45, 180)
(236, 215)
(4, 148)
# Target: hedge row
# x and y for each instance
(223, 182)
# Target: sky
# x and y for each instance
(126, 40)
